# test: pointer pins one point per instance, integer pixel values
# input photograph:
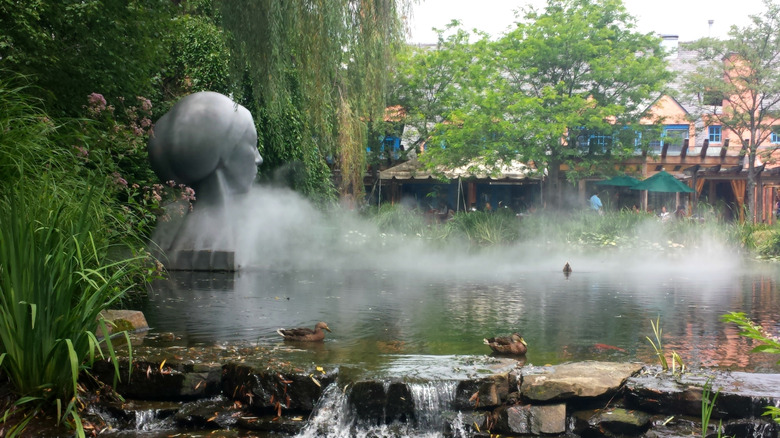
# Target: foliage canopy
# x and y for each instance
(75, 47)
(320, 68)
(576, 70)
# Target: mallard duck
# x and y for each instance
(305, 334)
(512, 344)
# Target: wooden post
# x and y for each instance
(724, 148)
(704, 147)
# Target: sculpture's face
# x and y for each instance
(240, 166)
(206, 141)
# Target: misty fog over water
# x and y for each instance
(386, 295)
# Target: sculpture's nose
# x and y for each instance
(258, 158)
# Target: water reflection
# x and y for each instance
(377, 314)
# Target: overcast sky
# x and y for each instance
(686, 18)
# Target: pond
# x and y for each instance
(387, 320)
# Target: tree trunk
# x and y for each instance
(751, 184)
(552, 192)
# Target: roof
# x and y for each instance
(414, 170)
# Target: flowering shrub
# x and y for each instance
(145, 205)
(116, 138)
(112, 143)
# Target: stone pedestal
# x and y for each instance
(200, 260)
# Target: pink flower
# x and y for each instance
(119, 180)
(81, 151)
(97, 102)
(146, 104)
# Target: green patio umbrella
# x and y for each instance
(619, 181)
(663, 182)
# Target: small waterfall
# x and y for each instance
(430, 400)
(137, 418)
(458, 428)
(152, 419)
(332, 417)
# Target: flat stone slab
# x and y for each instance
(123, 320)
(580, 379)
(741, 395)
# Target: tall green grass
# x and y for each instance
(54, 282)
(25, 143)
(398, 219)
(485, 228)
(581, 229)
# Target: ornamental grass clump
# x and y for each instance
(54, 282)
(485, 228)
(397, 219)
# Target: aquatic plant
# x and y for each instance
(658, 344)
(582, 230)
(485, 228)
(767, 242)
(397, 218)
(54, 282)
(707, 406)
(659, 349)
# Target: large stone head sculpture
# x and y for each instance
(207, 142)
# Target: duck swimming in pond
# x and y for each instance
(304, 334)
(567, 268)
(512, 344)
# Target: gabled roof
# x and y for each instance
(413, 170)
(676, 102)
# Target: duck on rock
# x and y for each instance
(304, 334)
(512, 344)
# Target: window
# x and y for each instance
(715, 134)
(390, 144)
(775, 137)
(674, 136)
(593, 141)
(600, 141)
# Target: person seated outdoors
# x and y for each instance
(664, 214)
(680, 212)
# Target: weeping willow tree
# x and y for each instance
(317, 71)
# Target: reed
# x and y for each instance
(707, 406)
(485, 228)
(398, 219)
(54, 282)
(658, 345)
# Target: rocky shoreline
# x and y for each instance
(247, 389)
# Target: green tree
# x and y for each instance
(742, 74)
(575, 72)
(75, 47)
(429, 82)
(322, 62)
(199, 58)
